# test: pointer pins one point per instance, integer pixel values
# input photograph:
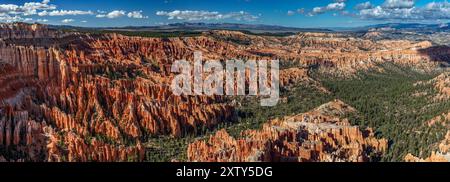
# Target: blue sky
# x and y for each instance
(295, 13)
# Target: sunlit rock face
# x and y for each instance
(110, 87)
(84, 97)
(318, 135)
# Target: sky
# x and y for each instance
(292, 13)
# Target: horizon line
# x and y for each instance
(222, 23)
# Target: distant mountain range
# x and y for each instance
(260, 28)
(416, 27)
(199, 27)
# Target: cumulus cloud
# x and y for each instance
(31, 8)
(404, 11)
(206, 15)
(7, 8)
(336, 6)
(112, 14)
(365, 5)
(394, 4)
(67, 20)
(15, 13)
(136, 14)
(28, 8)
(44, 8)
(9, 19)
(64, 13)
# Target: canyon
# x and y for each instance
(77, 97)
(441, 85)
(316, 136)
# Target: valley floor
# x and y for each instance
(391, 102)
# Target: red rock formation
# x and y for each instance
(27, 31)
(78, 150)
(21, 134)
(319, 135)
(442, 85)
(294, 76)
(91, 88)
(117, 87)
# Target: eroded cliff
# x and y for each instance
(84, 97)
(318, 135)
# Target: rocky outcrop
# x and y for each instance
(442, 155)
(102, 95)
(97, 94)
(333, 53)
(18, 133)
(442, 85)
(442, 119)
(71, 147)
(28, 31)
(318, 135)
(295, 76)
(14, 85)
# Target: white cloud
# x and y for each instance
(337, 6)
(206, 15)
(365, 5)
(9, 19)
(7, 8)
(394, 4)
(28, 8)
(67, 20)
(136, 14)
(84, 21)
(15, 13)
(64, 13)
(431, 11)
(112, 14)
(31, 8)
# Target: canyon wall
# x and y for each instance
(318, 135)
(441, 84)
(98, 97)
